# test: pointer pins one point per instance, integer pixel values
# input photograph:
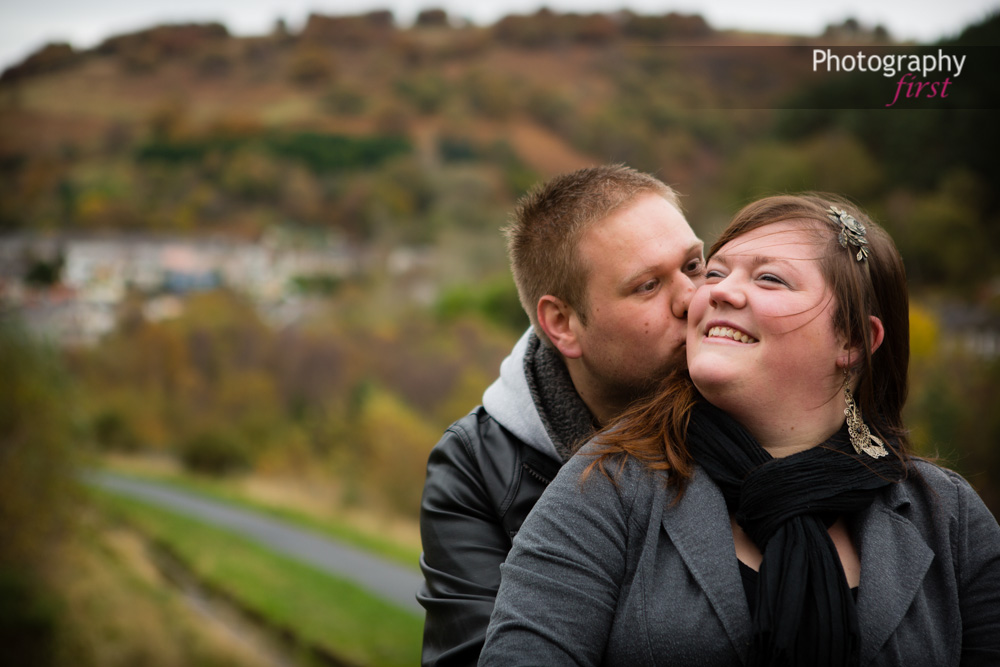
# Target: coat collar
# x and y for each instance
(699, 528)
(894, 560)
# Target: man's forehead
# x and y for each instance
(620, 268)
(654, 237)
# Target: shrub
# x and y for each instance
(344, 100)
(214, 63)
(311, 66)
(495, 301)
(490, 94)
(113, 430)
(427, 93)
(437, 18)
(354, 32)
(667, 26)
(396, 441)
(28, 620)
(36, 459)
(50, 58)
(325, 152)
(214, 451)
(550, 108)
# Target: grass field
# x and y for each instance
(317, 609)
(103, 603)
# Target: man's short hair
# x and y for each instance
(544, 232)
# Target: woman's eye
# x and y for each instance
(714, 273)
(771, 278)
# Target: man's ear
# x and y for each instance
(852, 353)
(559, 322)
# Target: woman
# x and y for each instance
(764, 510)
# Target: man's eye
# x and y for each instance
(695, 266)
(647, 286)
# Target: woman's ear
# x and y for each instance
(878, 332)
(559, 322)
(852, 353)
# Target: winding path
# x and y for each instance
(385, 579)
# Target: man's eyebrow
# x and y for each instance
(635, 275)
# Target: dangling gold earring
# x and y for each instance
(861, 438)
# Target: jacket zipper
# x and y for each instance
(537, 475)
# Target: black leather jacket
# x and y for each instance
(481, 483)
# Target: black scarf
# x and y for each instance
(805, 612)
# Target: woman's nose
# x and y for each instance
(727, 291)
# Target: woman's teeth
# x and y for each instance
(726, 332)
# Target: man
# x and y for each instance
(605, 266)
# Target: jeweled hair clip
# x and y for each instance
(852, 232)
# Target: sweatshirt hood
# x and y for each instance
(509, 401)
(534, 398)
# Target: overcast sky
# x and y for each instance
(26, 25)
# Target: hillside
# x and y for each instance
(525, 98)
(341, 74)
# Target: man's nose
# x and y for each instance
(681, 300)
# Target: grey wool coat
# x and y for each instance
(606, 574)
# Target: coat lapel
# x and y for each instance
(894, 560)
(699, 528)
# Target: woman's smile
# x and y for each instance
(730, 333)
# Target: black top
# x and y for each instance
(749, 577)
